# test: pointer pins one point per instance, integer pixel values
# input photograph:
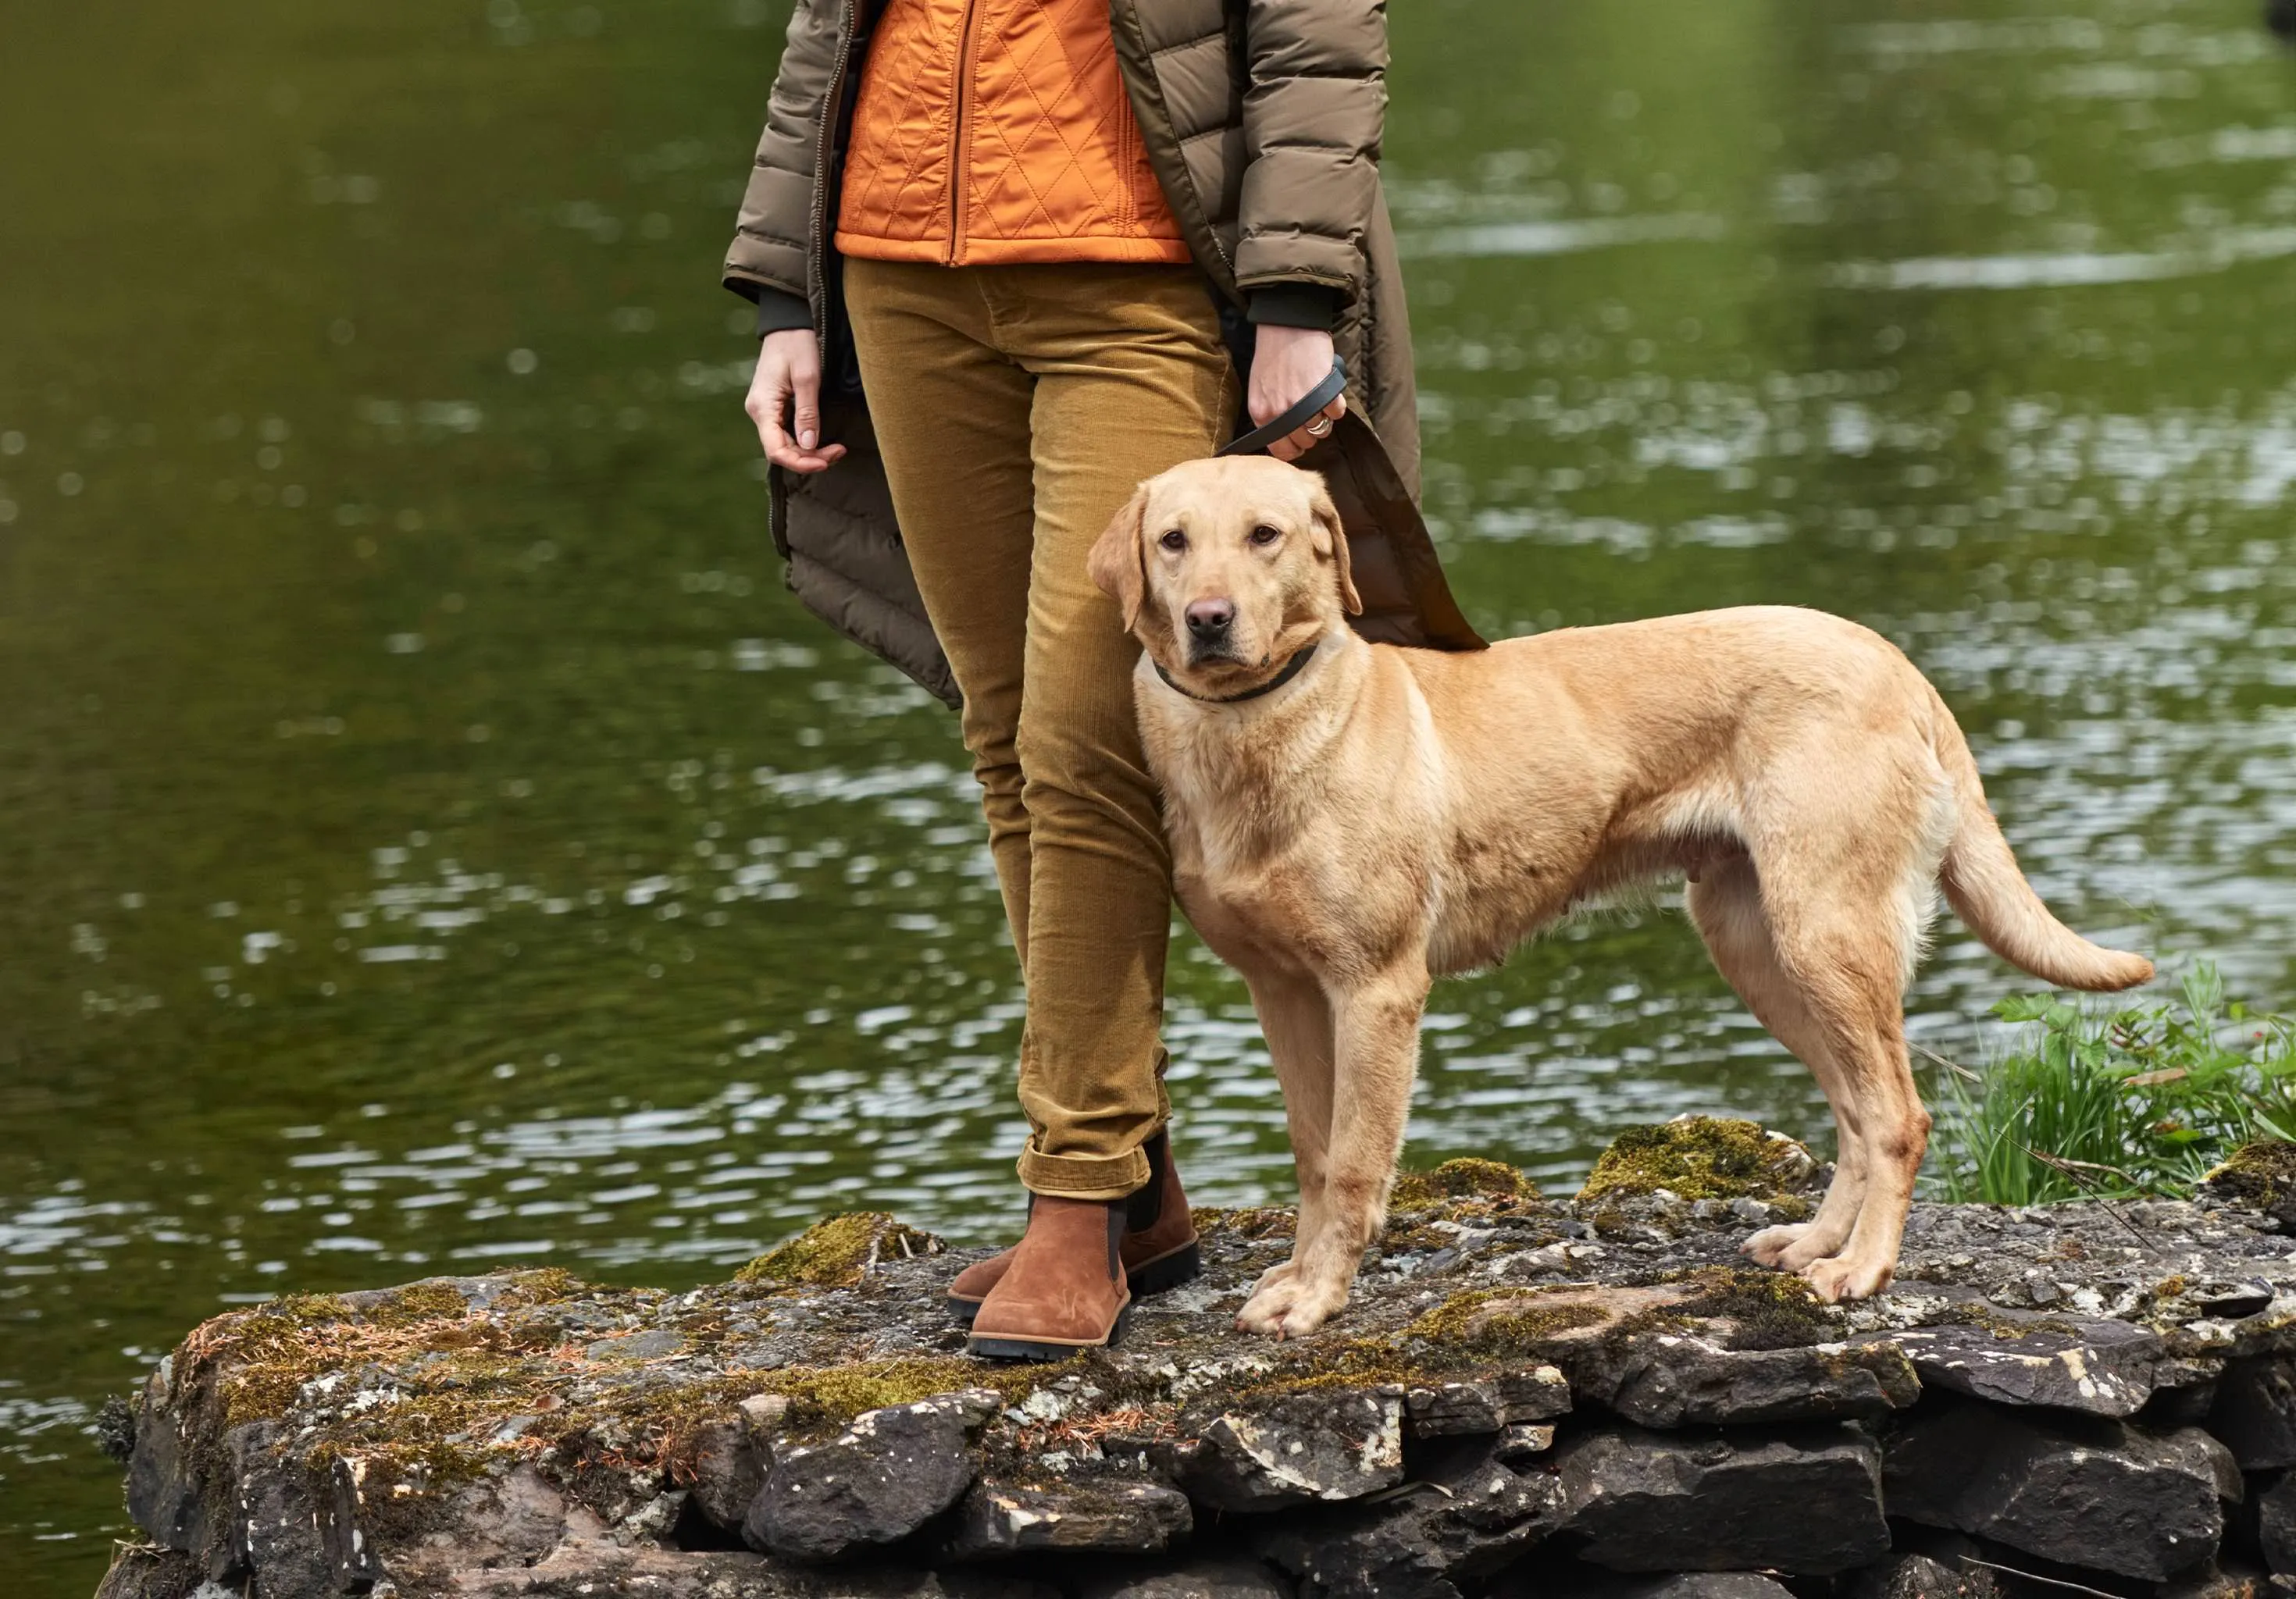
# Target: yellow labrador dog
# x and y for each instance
(1350, 820)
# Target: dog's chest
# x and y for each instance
(1306, 906)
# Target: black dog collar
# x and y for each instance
(1292, 670)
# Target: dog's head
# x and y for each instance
(1226, 569)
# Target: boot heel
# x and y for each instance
(1184, 1265)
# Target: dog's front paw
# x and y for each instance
(1270, 1302)
(1289, 1308)
(1838, 1277)
(1769, 1246)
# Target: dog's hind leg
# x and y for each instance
(1867, 1034)
(1376, 1029)
(1725, 905)
(1296, 1020)
(1847, 939)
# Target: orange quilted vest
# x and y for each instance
(996, 131)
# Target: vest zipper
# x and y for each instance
(958, 163)
(1125, 134)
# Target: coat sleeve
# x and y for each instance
(1314, 112)
(773, 237)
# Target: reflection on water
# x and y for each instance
(434, 841)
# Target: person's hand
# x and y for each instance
(789, 379)
(1286, 362)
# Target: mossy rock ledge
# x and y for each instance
(1526, 1395)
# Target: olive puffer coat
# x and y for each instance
(1262, 119)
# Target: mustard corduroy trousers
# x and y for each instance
(1017, 407)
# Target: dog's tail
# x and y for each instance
(1981, 879)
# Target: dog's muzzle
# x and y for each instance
(1212, 626)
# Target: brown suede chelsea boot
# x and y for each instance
(1064, 1291)
(1159, 1249)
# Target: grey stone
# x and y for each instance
(1468, 1405)
(1519, 1444)
(583, 1568)
(515, 1519)
(276, 1519)
(1914, 1576)
(1720, 1374)
(1299, 1449)
(2275, 1523)
(2097, 1367)
(2255, 1412)
(1135, 1517)
(2233, 1301)
(342, 1527)
(1805, 1500)
(1461, 1517)
(163, 1497)
(1196, 1579)
(1674, 1380)
(722, 1470)
(1535, 1393)
(882, 1478)
(659, 1345)
(1692, 1585)
(2184, 1391)
(2041, 1288)
(2100, 1494)
(1451, 1408)
(764, 1411)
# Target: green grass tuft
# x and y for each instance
(2123, 1102)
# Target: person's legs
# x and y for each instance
(1016, 410)
(1131, 379)
(952, 417)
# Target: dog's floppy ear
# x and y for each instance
(1117, 566)
(1330, 538)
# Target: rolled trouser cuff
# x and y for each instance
(1083, 1176)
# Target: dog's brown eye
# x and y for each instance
(1174, 540)
(1266, 535)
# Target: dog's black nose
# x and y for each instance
(1208, 618)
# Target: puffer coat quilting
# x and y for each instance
(998, 131)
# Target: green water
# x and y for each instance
(429, 839)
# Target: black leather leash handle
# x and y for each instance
(1298, 416)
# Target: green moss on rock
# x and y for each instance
(2259, 1177)
(839, 1252)
(1507, 1321)
(1489, 1181)
(837, 1393)
(1764, 1310)
(420, 1302)
(1253, 1222)
(260, 1358)
(1699, 1157)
